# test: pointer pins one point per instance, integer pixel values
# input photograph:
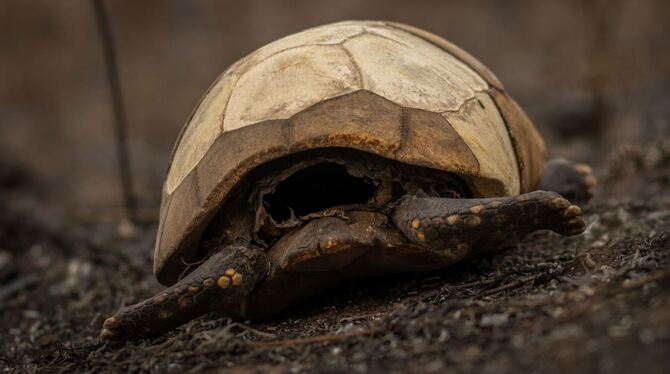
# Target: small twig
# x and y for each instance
(467, 284)
(312, 339)
(507, 286)
(359, 317)
(120, 123)
(251, 329)
(447, 288)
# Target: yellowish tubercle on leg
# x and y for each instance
(473, 221)
(223, 282)
(477, 209)
(231, 276)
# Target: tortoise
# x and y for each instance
(344, 151)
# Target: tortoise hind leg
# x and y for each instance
(221, 283)
(442, 223)
(573, 181)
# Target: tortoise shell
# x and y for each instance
(380, 87)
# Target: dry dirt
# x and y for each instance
(593, 76)
(595, 303)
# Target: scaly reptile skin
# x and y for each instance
(455, 228)
(459, 224)
(222, 283)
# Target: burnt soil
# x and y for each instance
(599, 302)
(592, 75)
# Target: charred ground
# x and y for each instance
(595, 303)
(592, 75)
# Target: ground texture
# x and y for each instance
(592, 75)
(599, 302)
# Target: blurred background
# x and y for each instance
(593, 75)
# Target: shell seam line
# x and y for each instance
(404, 132)
(446, 81)
(387, 38)
(188, 121)
(479, 166)
(343, 41)
(196, 184)
(513, 140)
(287, 133)
(242, 73)
(391, 25)
(473, 97)
(359, 72)
(340, 43)
(225, 105)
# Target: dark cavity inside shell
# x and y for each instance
(288, 192)
(314, 188)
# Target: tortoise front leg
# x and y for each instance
(222, 283)
(442, 223)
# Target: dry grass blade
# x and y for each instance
(312, 339)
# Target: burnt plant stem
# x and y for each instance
(120, 123)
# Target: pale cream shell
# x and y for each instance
(295, 72)
(379, 87)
